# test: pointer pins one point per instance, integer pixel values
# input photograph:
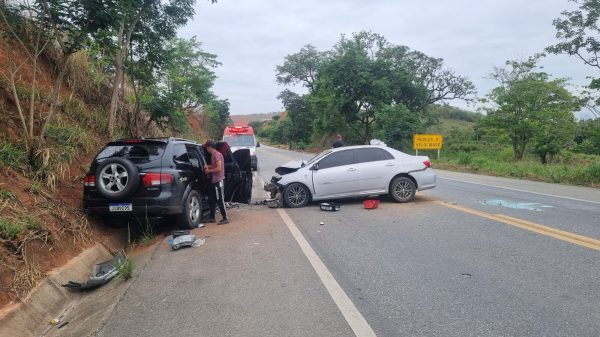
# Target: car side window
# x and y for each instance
(336, 159)
(193, 156)
(371, 155)
(180, 153)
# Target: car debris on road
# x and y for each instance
(330, 206)
(101, 274)
(371, 203)
(183, 238)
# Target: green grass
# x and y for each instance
(36, 187)
(70, 137)
(11, 155)
(30, 223)
(7, 195)
(9, 229)
(570, 168)
(125, 269)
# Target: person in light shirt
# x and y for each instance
(216, 192)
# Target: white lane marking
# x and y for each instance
(357, 322)
(518, 190)
(355, 319)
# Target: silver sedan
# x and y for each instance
(355, 171)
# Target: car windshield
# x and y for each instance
(240, 140)
(138, 153)
(317, 157)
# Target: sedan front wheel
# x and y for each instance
(296, 195)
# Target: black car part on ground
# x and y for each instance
(101, 274)
(330, 206)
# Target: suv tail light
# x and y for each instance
(427, 163)
(156, 179)
(89, 180)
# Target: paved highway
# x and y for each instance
(477, 256)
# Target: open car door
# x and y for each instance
(238, 174)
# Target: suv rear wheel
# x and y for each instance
(192, 210)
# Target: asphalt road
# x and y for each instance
(476, 256)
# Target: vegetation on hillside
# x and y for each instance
(73, 75)
(366, 87)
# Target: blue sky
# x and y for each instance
(251, 37)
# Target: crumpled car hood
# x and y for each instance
(289, 167)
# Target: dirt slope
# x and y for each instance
(44, 209)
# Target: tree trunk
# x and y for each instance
(55, 100)
(32, 99)
(114, 101)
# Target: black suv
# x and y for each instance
(160, 177)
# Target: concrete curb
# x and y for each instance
(49, 299)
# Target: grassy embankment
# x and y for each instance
(460, 154)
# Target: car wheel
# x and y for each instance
(403, 189)
(175, 247)
(255, 166)
(117, 178)
(296, 195)
(192, 210)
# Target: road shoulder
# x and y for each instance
(547, 189)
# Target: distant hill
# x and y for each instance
(246, 119)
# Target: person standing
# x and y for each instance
(338, 141)
(216, 192)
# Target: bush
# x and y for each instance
(125, 269)
(7, 195)
(8, 229)
(11, 156)
(30, 223)
(593, 172)
(464, 158)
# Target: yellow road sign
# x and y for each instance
(427, 141)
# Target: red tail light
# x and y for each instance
(89, 180)
(427, 163)
(156, 179)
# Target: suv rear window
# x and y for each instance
(137, 153)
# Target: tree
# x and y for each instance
(31, 37)
(122, 25)
(578, 33)
(529, 106)
(217, 111)
(301, 67)
(358, 79)
(587, 136)
(181, 84)
(363, 74)
(300, 116)
(396, 123)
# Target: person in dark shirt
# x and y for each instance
(216, 192)
(338, 141)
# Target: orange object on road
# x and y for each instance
(371, 203)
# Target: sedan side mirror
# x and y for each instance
(315, 167)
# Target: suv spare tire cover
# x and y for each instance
(120, 183)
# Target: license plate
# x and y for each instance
(128, 207)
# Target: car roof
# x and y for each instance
(153, 139)
(358, 147)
